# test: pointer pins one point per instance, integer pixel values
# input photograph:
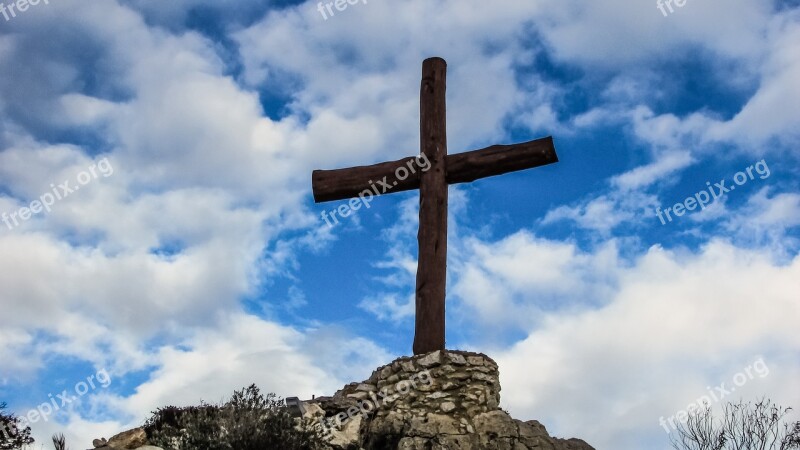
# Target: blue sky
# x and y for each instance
(192, 261)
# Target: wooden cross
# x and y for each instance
(444, 169)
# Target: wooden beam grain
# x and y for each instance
(341, 184)
(429, 332)
(499, 159)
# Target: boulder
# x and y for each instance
(128, 440)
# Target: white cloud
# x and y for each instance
(597, 214)
(390, 307)
(514, 281)
(615, 33)
(605, 212)
(83, 110)
(199, 174)
(769, 116)
(239, 350)
(646, 175)
(704, 316)
(767, 220)
(482, 89)
(773, 112)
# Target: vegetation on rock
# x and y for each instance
(248, 421)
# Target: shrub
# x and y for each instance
(11, 437)
(59, 442)
(248, 421)
(743, 426)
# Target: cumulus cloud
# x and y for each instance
(700, 314)
(516, 281)
(618, 32)
(210, 363)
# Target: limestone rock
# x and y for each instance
(131, 439)
(444, 400)
(438, 401)
(128, 440)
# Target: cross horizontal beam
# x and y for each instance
(341, 184)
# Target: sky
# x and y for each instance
(160, 243)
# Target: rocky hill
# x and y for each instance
(438, 401)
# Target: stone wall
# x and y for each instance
(441, 400)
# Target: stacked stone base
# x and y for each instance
(442, 400)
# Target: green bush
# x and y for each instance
(248, 421)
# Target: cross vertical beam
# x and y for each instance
(340, 184)
(429, 333)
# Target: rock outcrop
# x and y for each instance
(135, 439)
(438, 401)
(445, 400)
